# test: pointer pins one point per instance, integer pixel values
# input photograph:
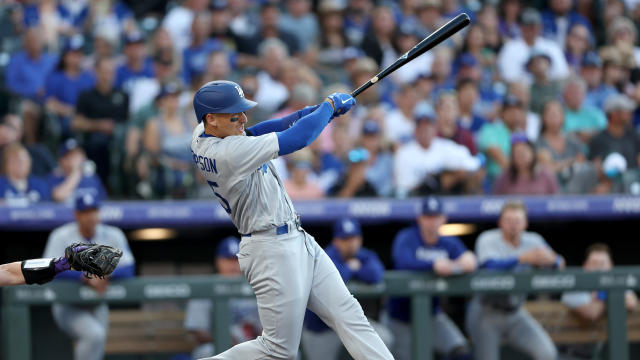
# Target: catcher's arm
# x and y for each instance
(10, 274)
(34, 271)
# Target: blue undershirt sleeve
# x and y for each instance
(281, 124)
(304, 131)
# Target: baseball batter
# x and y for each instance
(286, 268)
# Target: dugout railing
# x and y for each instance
(17, 301)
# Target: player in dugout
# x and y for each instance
(422, 248)
(354, 263)
(493, 319)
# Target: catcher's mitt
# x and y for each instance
(93, 259)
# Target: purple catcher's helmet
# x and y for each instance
(220, 97)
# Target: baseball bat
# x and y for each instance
(446, 31)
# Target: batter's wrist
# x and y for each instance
(333, 106)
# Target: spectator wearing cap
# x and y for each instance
(448, 127)
(88, 324)
(543, 88)
(166, 141)
(302, 183)
(592, 73)
(471, 68)
(398, 123)
(430, 164)
(354, 182)
(195, 57)
(580, 118)
(559, 19)
(179, 19)
(523, 176)
(493, 319)
(380, 163)
(578, 44)
(25, 77)
(354, 263)
(618, 136)
(137, 64)
(421, 248)
(17, 186)
(515, 53)
(467, 96)
(562, 154)
(66, 82)
(245, 322)
(98, 112)
(301, 22)
(494, 139)
(74, 175)
(145, 89)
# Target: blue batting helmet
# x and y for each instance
(220, 97)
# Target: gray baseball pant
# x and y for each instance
(488, 327)
(87, 325)
(289, 273)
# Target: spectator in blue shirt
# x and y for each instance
(65, 84)
(137, 63)
(28, 69)
(25, 77)
(17, 186)
(196, 56)
(422, 248)
(353, 262)
(559, 18)
(75, 175)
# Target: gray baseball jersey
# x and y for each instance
(243, 179)
(68, 234)
(491, 245)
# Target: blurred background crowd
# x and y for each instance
(535, 97)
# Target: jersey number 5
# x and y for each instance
(223, 202)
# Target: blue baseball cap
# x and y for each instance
(67, 146)
(87, 201)
(228, 247)
(370, 127)
(347, 227)
(431, 205)
(423, 112)
(134, 37)
(592, 59)
(74, 43)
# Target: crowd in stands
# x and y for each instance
(96, 95)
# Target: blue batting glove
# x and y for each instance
(341, 103)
